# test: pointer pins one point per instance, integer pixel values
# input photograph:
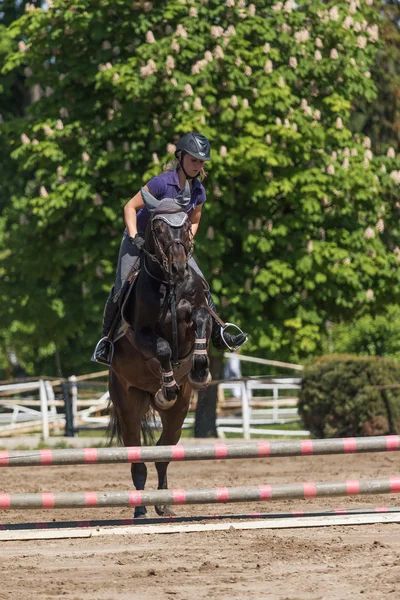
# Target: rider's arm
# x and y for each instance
(195, 218)
(130, 210)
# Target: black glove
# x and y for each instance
(138, 241)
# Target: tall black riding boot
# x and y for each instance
(104, 350)
(231, 342)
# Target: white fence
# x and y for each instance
(246, 413)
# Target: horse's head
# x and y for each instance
(169, 233)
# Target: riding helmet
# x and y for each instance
(195, 144)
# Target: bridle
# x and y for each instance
(165, 264)
(166, 268)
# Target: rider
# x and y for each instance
(192, 150)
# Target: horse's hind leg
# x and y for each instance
(200, 375)
(172, 421)
(131, 406)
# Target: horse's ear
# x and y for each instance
(150, 202)
(184, 196)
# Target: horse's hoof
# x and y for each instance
(164, 511)
(161, 401)
(200, 385)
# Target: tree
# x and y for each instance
(380, 119)
(295, 231)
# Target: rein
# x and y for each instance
(170, 300)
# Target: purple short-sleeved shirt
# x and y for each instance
(167, 185)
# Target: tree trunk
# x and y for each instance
(205, 425)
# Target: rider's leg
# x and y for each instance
(231, 341)
(128, 259)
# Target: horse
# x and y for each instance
(165, 356)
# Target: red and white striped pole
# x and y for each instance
(217, 495)
(78, 456)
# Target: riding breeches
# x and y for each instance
(128, 259)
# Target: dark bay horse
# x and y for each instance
(166, 353)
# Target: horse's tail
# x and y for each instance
(148, 427)
(113, 428)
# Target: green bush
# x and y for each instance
(339, 396)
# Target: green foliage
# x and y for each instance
(338, 396)
(371, 335)
(301, 220)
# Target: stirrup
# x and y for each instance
(103, 361)
(232, 349)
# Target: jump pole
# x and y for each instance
(259, 493)
(262, 449)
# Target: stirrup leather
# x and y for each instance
(103, 361)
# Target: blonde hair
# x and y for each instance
(174, 164)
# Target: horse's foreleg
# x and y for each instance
(200, 375)
(153, 346)
(172, 421)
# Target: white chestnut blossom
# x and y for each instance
(380, 225)
(170, 63)
(188, 90)
(199, 66)
(106, 45)
(223, 151)
(43, 192)
(370, 294)
(330, 170)
(339, 123)
(25, 139)
(391, 153)
(197, 105)
(248, 71)
(59, 125)
(293, 62)
(234, 101)
(361, 41)
(318, 43)
(266, 48)
(302, 36)
(175, 46)
(334, 13)
(181, 32)
(218, 52)
(268, 67)
(193, 11)
(171, 148)
(317, 55)
(217, 31)
(334, 54)
(395, 175)
(369, 233)
(85, 157)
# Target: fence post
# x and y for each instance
(52, 409)
(44, 411)
(69, 417)
(245, 412)
(74, 396)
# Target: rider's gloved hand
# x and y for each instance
(138, 241)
